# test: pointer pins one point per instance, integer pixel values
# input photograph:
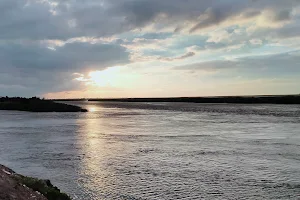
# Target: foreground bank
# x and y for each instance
(16, 186)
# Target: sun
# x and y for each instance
(104, 78)
(92, 109)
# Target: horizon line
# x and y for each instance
(221, 96)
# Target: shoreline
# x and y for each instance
(16, 186)
(36, 105)
(267, 99)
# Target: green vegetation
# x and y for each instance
(43, 186)
(35, 104)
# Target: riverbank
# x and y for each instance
(36, 105)
(289, 99)
(16, 186)
(265, 99)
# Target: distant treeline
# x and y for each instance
(36, 104)
(19, 99)
(283, 99)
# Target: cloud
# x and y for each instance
(256, 41)
(21, 19)
(51, 19)
(210, 18)
(43, 42)
(268, 65)
(39, 68)
(209, 66)
(274, 18)
(71, 56)
(182, 57)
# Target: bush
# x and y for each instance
(44, 187)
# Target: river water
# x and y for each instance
(159, 150)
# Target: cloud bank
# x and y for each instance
(44, 42)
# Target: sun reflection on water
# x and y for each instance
(98, 154)
(92, 147)
(92, 109)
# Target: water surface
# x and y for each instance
(159, 150)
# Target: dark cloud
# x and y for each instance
(36, 67)
(66, 19)
(20, 19)
(287, 32)
(69, 57)
(269, 65)
(212, 16)
(214, 65)
(182, 57)
(283, 15)
(154, 36)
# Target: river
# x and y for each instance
(159, 150)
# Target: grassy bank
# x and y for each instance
(16, 186)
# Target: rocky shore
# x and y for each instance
(15, 186)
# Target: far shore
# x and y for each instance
(35, 104)
(259, 99)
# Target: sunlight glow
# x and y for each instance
(104, 78)
(92, 109)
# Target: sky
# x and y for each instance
(149, 48)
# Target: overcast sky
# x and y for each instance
(149, 48)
